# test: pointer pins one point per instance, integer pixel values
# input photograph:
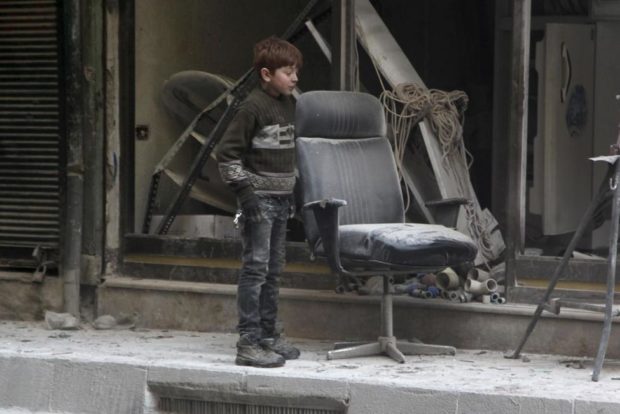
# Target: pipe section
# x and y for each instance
(447, 279)
(480, 288)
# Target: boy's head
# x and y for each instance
(277, 62)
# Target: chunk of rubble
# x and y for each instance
(64, 321)
(104, 322)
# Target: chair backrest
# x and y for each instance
(343, 152)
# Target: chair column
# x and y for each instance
(387, 327)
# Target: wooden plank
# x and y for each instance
(343, 43)
(392, 63)
(420, 180)
(395, 67)
(582, 270)
(565, 303)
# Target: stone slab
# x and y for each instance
(20, 299)
(115, 371)
(327, 315)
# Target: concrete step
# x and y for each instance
(218, 261)
(150, 371)
(215, 261)
(315, 314)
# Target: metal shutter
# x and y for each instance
(30, 123)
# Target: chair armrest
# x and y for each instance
(328, 202)
(326, 215)
(445, 211)
(454, 201)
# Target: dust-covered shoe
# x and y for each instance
(250, 353)
(280, 346)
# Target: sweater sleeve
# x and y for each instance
(232, 150)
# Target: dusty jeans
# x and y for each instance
(262, 262)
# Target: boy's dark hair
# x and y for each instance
(273, 53)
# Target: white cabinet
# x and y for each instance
(562, 173)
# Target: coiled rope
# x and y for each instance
(405, 106)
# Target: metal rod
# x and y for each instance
(386, 311)
(150, 202)
(611, 273)
(583, 225)
(72, 240)
(320, 40)
(517, 158)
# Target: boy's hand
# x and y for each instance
(249, 204)
(291, 206)
(251, 209)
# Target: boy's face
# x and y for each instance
(281, 82)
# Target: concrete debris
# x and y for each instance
(372, 286)
(125, 321)
(64, 321)
(104, 322)
(61, 335)
(573, 363)
(449, 285)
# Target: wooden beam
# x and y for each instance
(93, 137)
(344, 60)
(113, 233)
(518, 135)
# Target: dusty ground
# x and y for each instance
(477, 371)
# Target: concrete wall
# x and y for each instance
(205, 35)
(326, 315)
(20, 299)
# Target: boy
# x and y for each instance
(256, 157)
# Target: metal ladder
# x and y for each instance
(237, 92)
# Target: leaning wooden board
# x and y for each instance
(376, 39)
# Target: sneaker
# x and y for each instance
(252, 354)
(280, 346)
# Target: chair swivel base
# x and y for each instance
(387, 345)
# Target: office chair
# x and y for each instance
(353, 208)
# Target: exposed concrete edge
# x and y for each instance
(247, 387)
(23, 299)
(208, 384)
(71, 385)
(120, 282)
(190, 392)
(23, 277)
(351, 395)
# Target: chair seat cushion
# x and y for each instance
(406, 244)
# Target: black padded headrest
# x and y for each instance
(327, 114)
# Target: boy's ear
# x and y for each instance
(265, 74)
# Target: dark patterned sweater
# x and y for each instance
(258, 148)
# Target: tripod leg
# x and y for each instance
(393, 352)
(585, 221)
(611, 274)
